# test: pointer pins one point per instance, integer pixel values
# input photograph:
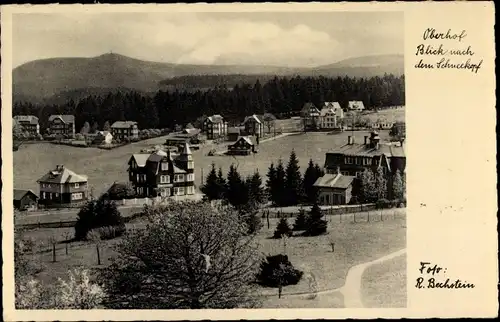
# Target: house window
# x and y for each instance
(164, 166)
(57, 195)
(190, 165)
(77, 196)
(43, 195)
(348, 160)
(143, 178)
(181, 190)
(179, 178)
(176, 191)
(164, 179)
(77, 185)
(138, 178)
(190, 177)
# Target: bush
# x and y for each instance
(282, 229)
(382, 203)
(119, 191)
(96, 214)
(109, 232)
(300, 221)
(278, 270)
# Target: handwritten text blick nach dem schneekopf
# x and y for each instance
(448, 51)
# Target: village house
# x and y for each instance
(334, 189)
(245, 145)
(215, 127)
(102, 137)
(259, 125)
(353, 158)
(62, 186)
(311, 116)
(162, 173)
(29, 123)
(62, 125)
(188, 135)
(25, 199)
(356, 106)
(330, 115)
(125, 130)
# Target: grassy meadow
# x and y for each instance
(355, 243)
(103, 167)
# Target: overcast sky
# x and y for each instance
(282, 39)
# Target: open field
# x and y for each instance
(384, 284)
(355, 243)
(104, 167)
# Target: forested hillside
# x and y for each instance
(280, 96)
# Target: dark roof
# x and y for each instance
(62, 175)
(334, 181)
(189, 126)
(123, 124)
(65, 118)
(19, 194)
(367, 150)
(248, 139)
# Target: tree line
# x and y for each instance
(281, 96)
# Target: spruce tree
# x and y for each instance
(255, 188)
(236, 193)
(221, 184)
(315, 224)
(211, 187)
(312, 173)
(271, 183)
(280, 191)
(282, 229)
(300, 221)
(380, 184)
(397, 186)
(367, 186)
(293, 181)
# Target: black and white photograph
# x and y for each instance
(209, 160)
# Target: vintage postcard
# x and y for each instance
(215, 161)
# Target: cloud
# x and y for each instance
(189, 38)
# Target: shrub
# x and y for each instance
(78, 292)
(119, 191)
(282, 229)
(109, 232)
(95, 214)
(382, 203)
(278, 270)
(300, 221)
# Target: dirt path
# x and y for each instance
(352, 286)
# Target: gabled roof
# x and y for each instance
(247, 139)
(253, 118)
(19, 194)
(353, 105)
(140, 158)
(327, 110)
(310, 109)
(337, 180)
(334, 105)
(157, 156)
(216, 118)
(62, 175)
(190, 126)
(64, 118)
(27, 118)
(123, 124)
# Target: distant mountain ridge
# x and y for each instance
(60, 78)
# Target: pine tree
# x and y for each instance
(380, 184)
(282, 229)
(271, 183)
(211, 187)
(312, 173)
(255, 188)
(398, 188)
(367, 186)
(221, 184)
(279, 188)
(315, 224)
(300, 221)
(236, 193)
(293, 181)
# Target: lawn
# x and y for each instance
(104, 167)
(355, 243)
(384, 284)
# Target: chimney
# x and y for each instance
(366, 139)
